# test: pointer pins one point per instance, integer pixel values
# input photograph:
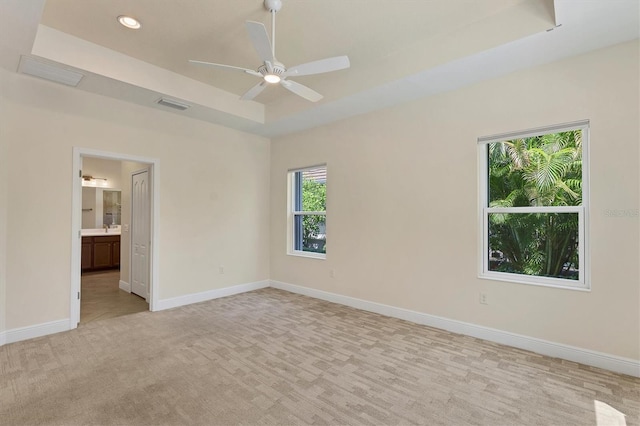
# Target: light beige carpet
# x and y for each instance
(269, 357)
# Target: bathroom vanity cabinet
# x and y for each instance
(100, 252)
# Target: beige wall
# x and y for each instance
(214, 186)
(402, 200)
(402, 214)
(88, 207)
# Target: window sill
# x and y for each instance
(537, 281)
(310, 255)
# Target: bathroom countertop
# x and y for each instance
(99, 232)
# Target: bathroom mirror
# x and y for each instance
(101, 206)
(111, 207)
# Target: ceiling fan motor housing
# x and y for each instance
(272, 71)
(278, 69)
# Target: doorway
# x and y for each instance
(101, 281)
(102, 298)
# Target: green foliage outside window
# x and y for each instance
(314, 198)
(537, 171)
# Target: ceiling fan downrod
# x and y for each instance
(271, 71)
(274, 7)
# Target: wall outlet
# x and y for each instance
(221, 270)
(332, 273)
(125, 227)
(484, 300)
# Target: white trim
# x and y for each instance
(76, 238)
(292, 213)
(188, 299)
(552, 282)
(309, 254)
(585, 247)
(583, 282)
(76, 223)
(548, 209)
(38, 330)
(304, 169)
(543, 347)
(125, 286)
(538, 131)
(307, 213)
(584, 356)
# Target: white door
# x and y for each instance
(140, 233)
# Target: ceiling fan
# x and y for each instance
(274, 72)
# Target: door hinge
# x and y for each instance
(78, 295)
(79, 173)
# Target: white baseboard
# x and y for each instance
(208, 295)
(543, 347)
(558, 350)
(38, 330)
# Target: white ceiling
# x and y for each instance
(399, 50)
(367, 31)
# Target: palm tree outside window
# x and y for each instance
(534, 206)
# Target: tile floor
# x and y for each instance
(101, 297)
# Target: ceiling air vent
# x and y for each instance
(172, 104)
(48, 71)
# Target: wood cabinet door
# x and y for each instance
(86, 255)
(115, 253)
(102, 254)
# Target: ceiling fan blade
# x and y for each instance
(301, 90)
(254, 91)
(230, 67)
(318, 67)
(260, 39)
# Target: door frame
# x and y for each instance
(76, 225)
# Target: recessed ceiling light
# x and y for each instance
(129, 22)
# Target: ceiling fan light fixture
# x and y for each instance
(129, 22)
(272, 78)
(273, 72)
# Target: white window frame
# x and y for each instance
(583, 282)
(292, 213)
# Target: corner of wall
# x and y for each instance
(38, 330)
(188, 299)
(3, 241)
(556, 350)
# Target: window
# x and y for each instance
(534, 206)
(307, 212)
